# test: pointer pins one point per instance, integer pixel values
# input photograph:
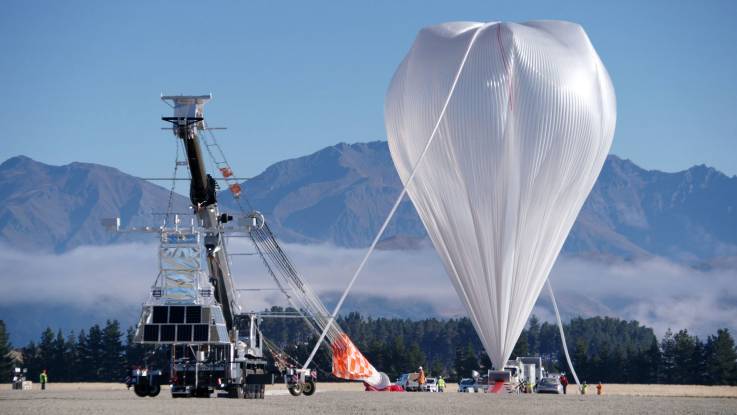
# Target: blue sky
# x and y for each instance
(81, 80)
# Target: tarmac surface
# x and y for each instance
(347, 399)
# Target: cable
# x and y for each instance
(173, 185)
(562, 335)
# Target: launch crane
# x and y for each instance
(194, 309)
(194, 306)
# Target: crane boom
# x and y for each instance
(187, 122)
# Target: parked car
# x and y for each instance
(467, 383)
(549, 385)
(431, 385)
(408, 381)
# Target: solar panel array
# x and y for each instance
(184, 324)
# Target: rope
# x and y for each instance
(399, 199)
(276, 261)
(171, 189)
(562, 335)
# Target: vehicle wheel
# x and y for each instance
(236, 392)
(308, 388)
(295, 389)
(153, 390)
(250, 392)
(202, 393)
(141, 390)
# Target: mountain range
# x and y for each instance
(58, 208)
(341, 194)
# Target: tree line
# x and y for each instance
(602, 349)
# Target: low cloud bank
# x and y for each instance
(655, 292)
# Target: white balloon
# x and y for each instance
(525, 117)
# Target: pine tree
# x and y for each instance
(686, 358)
(466, 361)
(667, 368)
(6, 360)
(648, 364)
(46, 354)
(398, 356)
(521, 348)
(533, 336)
(70, 356)
(113, 358)
(58, 364)
(721, 359)
(96, 354)
(82, 359)
(416, 358)
(580, 360)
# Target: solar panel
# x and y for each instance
(161, 314)
(150, 333)
(167, 333)
(184, 333)
(176, 314)
(201, 332)
(194, 314)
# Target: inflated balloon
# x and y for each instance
(521, 118)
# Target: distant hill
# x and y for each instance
(57, 208)
(341, 194)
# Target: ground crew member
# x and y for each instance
(441, 384)
(43, 378)
(421, 379)
(599, 388)
(564, 382)
(584, 386)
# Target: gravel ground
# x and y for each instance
(113, 399)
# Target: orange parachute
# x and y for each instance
(348, 361)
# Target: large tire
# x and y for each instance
(153, 390)
(308, 389)
(141, 390)
(236, 392)
(295, 389)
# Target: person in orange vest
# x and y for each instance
(421, 379)
(599, 388)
